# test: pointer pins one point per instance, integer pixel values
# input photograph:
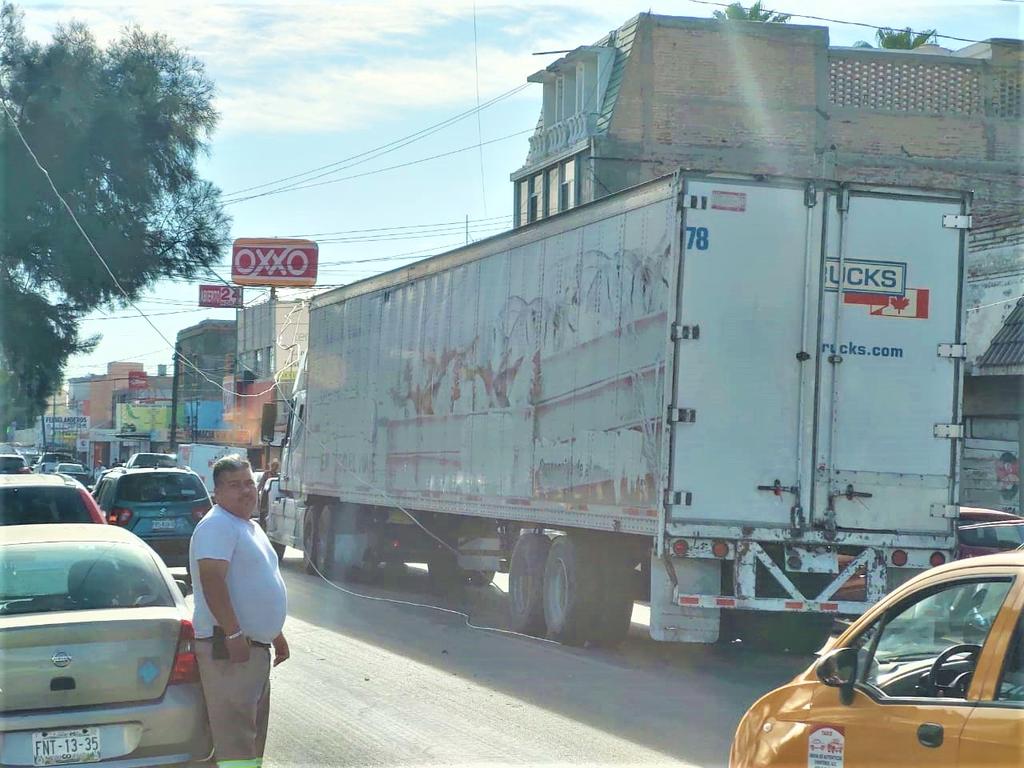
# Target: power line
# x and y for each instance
(379, 170)
(479, 126)
(384, 149)
(840, 21)
(106, 267)
(460, 223)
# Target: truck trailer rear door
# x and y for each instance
(890, 361)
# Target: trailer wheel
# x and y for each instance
(571, 589)
(526, 583)
(309, 538)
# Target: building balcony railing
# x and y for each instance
(562, 135)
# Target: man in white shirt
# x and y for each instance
(240, 608)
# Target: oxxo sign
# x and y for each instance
(272, 261)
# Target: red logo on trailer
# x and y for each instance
(912, 305)
(274, 261)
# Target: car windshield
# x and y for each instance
(73, 468)
(160, 487)
(1001, 537)
(70, 576)
(11, 463)
(31, 504)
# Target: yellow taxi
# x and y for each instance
(933, 675)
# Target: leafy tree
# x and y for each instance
(119, 129)
(899, 39)
(753, 13)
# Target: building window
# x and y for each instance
(553, 187)
(567, 191)
(537, 197)
(524, 202)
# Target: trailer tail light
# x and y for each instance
(937, 559)
(679, 547)
(899, 558)
(720, 549)
(185, 668)
(119, 516)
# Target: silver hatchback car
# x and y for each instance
(98, 666)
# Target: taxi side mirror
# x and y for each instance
(838, 669)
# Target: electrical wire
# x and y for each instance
(479, 125)
(103, 262)
(840, 21)
(386, 148)
(298, 187)
(428, 606)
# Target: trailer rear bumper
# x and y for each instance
(772, 604)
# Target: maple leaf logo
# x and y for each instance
(899, 303)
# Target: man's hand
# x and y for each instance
(281, 651)
(238, 649)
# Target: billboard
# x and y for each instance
(226, 296)
(274, 261)
(144, 419)
(138, 380)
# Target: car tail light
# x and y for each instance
(720, 549)
(119, 516)
(24, 471)
(679, 547)
(937, 559)
(185, 668)
(899, 558)
(199, 511)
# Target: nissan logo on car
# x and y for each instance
(60, 659)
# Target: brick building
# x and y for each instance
(662, 92)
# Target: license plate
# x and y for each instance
(165, 525)
(74, 745)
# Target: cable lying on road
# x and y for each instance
(410, 603)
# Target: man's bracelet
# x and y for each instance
(237, 634)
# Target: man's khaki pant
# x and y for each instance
(238, 705)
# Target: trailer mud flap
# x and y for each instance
(676, 623)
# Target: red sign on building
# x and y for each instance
(283, 262)
(138, 380)
(220, 296)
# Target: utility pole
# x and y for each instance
(175, 380)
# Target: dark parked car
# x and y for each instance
(161, 506)
(13, 464)
(31, 499)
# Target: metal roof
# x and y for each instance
(1007, 347)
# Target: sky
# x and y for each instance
(302, 85)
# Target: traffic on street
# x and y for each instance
(495, 384)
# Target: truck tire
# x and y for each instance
(526, 583)
(278, 550)
(323, 536)
(572, 586)
(309, 538)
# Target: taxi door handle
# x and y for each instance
(930, 734)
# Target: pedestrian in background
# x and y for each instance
(240, 608)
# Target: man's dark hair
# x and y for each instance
(230, 463)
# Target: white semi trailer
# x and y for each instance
(728, 395)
